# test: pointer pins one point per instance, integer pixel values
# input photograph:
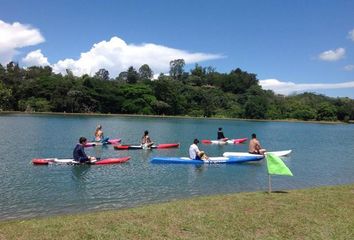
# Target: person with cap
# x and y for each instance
(79, 154)
(195, 153)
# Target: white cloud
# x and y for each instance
(332, 55)
(349, 67)
(290, 87)
(351, 35)
(116, 56)
(14, 36)
(35, 58)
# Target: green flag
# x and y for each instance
(276, 166)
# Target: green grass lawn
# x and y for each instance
(320, 213)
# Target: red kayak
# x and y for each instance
(225, 141)
(46, 161)
(135, 147)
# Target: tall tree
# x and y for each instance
(177, 68)
(145, 72)
(122, 77)
(102, 74)
(198, 71)
(132, 75)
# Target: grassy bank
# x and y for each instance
(321, 213)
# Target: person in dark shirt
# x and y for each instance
(79, 154)
(221, 134)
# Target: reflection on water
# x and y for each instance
(98, 151)
(79, 172)
(199, 169)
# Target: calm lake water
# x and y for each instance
(322, 155)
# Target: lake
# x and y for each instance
(322, 155)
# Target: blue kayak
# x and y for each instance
(211, 160)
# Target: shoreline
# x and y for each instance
(324, 212)
(170, 116)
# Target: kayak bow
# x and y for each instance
(135, 147)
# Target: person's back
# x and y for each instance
(254, 146)
(194, 150)
(220, 134)
(79, 154)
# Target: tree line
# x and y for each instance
(200, 92)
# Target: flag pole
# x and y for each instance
(269, 184)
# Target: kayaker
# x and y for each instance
(255, 146)
(146, 141)
(79, 154)
(99, 137)
(195, 153)
(221, 135)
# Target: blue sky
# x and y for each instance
(292, 46)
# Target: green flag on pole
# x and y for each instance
(276, 166)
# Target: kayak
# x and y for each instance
(46, 161)
(139, 146)
(109, 141)
(226, 141)
(211, 160)
(240, 154)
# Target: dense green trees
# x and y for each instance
(5, 97)
(201, 92)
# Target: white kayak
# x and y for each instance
(225, 141)
(239, 154)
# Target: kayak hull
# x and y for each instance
(109, 141)
(47, 161)
(211, 160)
(240, 154)
(136, 147)
(225, 141)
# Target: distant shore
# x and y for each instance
(172, 116)
(317, 213)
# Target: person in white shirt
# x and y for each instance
(194, 152)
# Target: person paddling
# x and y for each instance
(195, 153)
(99, 136)
(79, 154)
(98, 133)
(255, 146)
(146, 141)
(221, 136)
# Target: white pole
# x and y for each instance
(269, 184)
